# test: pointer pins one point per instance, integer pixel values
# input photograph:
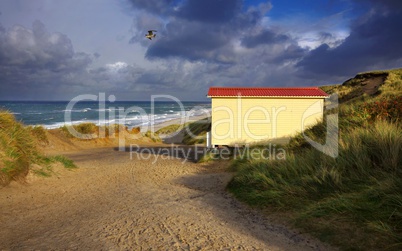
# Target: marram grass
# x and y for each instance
(353, 201)
(18, 150)
(195, 132)
(363, 186)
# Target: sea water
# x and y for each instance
(130, 113)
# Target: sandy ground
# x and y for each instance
(113, 202)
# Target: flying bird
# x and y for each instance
(150, 34)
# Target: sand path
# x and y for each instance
(114, 203)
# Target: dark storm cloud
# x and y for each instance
(141, 24)
(392, 4)
(154, 6)
(210, 11)
(252, 16)
(374, 42)
(34, 62)
(264, 37)
(201, 30)
(245, 49)
(36, 49)
(206, 41)
(292, 52)
(192, 41)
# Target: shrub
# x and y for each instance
(92, 131)
(89, 129)
(86, 128)
(386, 109)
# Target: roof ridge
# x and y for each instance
(310, 87)
(267, 92)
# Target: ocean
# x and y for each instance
(130, 113)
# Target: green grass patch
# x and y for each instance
(362, 186)
(67, 163)
(153, 136)
(170, 129)
(353, 201)
(195, 132)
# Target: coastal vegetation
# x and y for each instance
(88, 131)
(169, 129)
(195, 132)
(91, 131)
(19, 153)
(353, 201)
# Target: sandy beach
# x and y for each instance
(179, 121)
(116, 203)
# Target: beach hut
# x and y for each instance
(243, 115)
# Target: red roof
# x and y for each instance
(266, 92)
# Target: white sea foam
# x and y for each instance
(133, 121)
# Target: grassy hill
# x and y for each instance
(353, 201)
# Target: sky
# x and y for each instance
(57, 50)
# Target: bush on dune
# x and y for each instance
(90, 130)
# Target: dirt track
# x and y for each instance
(114, 203)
